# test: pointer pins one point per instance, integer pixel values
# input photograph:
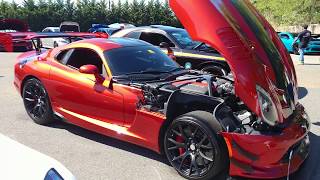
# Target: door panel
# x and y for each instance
(78, 93)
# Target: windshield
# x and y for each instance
(129, 60)
(183, 38)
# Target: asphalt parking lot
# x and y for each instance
(92, 156)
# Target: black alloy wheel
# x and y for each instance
(214, 70)
(36, 102)
(192, 150)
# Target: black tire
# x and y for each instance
(214, 70)
(36, 102)
(194, 148)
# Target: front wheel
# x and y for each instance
(36, 102)
(193, 146)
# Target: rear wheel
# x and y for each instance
(215, 70)
(193, 147)
(36, 102)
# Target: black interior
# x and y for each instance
(155, 39)
(82, 56)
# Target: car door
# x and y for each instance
(77, 95)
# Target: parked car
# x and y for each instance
(250, 122)
(69, 26)
(121, 25)
(18, 30)
(51, 29)
(55, 42)
(190, 53)
(103, 29)
(288, 38)
(5, 42)
(21, 162)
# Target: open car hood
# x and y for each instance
(251, 47)
(13, 24)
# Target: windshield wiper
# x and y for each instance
(175, 69)
(146, 72)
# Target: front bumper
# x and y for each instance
(266, 156)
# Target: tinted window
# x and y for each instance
(139, 58)
(183, 38)
(155, 38)
(63, 56)
(83, 56)
(284, 36)
(134, 35)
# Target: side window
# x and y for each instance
(284, 36)
(134, 35)
(155, 38)
(63, 56)
(78, 57)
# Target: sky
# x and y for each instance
(20, 1)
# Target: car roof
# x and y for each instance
(151, 28)
(108, 44)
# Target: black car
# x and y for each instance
(188, 53)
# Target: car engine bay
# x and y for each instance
(228, 109)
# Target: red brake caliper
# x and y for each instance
(180, 140)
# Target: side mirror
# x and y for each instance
(89, 69)
(92, 69)
(170, 52)
(164, 45)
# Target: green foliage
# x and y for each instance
(42, 13)
(290, 12)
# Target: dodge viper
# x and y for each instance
(249, 121)
(195, 54)
(288, 39)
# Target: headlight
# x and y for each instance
(267, 107)
(52, 174)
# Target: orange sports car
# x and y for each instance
(249, 121)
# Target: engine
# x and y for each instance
(157, 94)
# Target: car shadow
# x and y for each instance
(310, 168)
(126, 146)
(302, 92)
(109, 141)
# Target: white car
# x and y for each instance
(51, 29)
(21, 162)
(53, 42)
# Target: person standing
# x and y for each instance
(304, 37)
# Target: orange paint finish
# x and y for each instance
(108, 108)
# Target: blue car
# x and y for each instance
(103, 28)
(287, 38)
